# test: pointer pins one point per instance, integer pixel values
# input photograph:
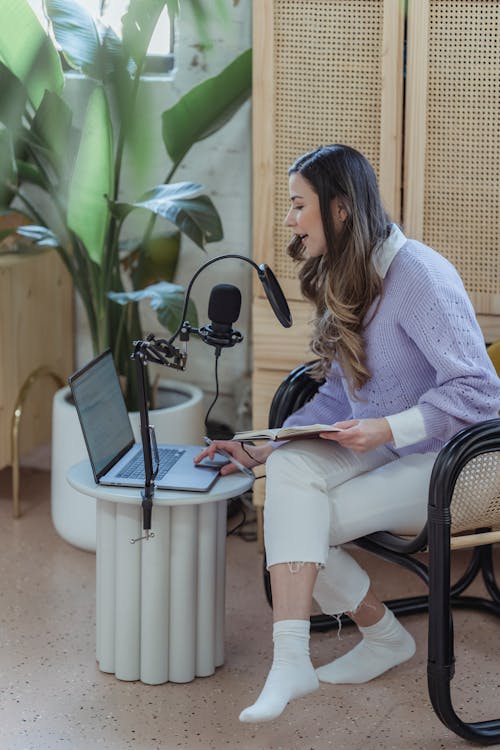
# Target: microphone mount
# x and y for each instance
(162, 352)
(220, 340)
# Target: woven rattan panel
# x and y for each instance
(476, 497)
(461, 208)
(327, 79)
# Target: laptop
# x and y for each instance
(115, 457)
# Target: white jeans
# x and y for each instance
(320, 496)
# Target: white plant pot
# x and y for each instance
(74, 514)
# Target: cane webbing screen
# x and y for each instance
(326, 89)
(461, 184)
(476, 497)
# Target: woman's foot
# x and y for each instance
(385, 645)
(292, 675)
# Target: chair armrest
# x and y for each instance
(400, 544)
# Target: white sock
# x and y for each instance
(384, 645)
(291, 675)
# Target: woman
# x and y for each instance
(405, 368)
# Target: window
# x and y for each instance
(160, 53)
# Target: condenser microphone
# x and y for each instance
(223, 310)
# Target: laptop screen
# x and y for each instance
(102, 412)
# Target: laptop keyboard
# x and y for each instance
(135, 467)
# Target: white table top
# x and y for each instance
(81, 478)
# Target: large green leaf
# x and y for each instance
(29, 141)
(92, 180)
(77, 34)
(165, 298)
(27, 51)
(133, 110)
(112, 53)
(12, 100)
(183, 204)
(52, 127)
(30, 173)
(8, 167)
(138, 25)
(206, 107)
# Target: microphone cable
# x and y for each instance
(241, 528)
(246, 526)
(216, 375)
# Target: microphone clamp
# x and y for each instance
(161, 352)
(219, 339)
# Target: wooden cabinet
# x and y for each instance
(339, 71)
(36, 329)
(452, 145)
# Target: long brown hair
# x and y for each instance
(342, 283)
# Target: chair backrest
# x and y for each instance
(292, 393)
(476, 498)
(475, 501)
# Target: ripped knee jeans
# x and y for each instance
(341, 584)
(320, 496)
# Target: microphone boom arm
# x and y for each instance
(163, 352)
(268, 280)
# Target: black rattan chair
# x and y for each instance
(464, 495)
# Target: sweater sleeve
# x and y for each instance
(442, 324)
(407, 427)
(329, 405)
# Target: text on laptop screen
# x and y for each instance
(103, 412)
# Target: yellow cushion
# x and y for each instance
(494, 353)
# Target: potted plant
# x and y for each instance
(87, 209)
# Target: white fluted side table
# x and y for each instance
(160, 603)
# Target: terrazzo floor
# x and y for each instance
(53, 697)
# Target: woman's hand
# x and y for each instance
(361, 435)
(253, 455)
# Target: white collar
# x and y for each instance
(385, 253)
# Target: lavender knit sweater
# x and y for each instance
(424, 349)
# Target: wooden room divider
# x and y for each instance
(452, 142)
(329, 71)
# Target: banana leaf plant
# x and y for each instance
(81, 172)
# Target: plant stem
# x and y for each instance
(120, 332)
(53, 193)
(28, 204)
(111, 271)
(152, 219)
(123, 131)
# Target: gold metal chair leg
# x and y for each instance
(36, 375)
